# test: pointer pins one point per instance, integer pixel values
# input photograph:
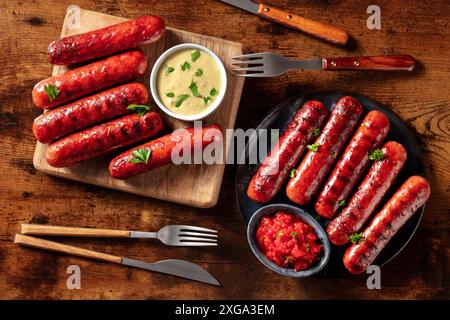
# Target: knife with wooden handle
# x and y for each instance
(318, 29)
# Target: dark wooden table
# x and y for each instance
(421, 99)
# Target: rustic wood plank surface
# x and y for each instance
(421, 98)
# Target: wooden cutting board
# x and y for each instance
(195, 185)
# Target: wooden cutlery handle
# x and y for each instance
(45, 230)
(317, 29)
(374, 63)
(64, 248)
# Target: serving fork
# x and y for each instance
(269, 64)
(172, 235)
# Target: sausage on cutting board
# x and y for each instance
(372, 189)
(106, 41)
(412, 195)
(103, 138)
(160, 150)
(88, 111)
(316, 164)
(276, 167)
(89, 79)
(352, 163)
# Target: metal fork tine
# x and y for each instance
(251, 55)
(181, 238)
(241, 62)
(198, 244)
(251, 75)
(184, 233)
(192, 228)
(260, 68)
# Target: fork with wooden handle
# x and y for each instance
(268, 64)
(172, 235)
(175, 267)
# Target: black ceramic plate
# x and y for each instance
(280, 117)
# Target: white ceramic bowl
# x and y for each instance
(212, 107)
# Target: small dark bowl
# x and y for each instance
(305, 217)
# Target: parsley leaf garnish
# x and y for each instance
(141, 155)
(334, 155)
(292, 173)
(194, 89)
(139, 109)
(376, 155)
(199, 72)
(316, 132)
(185, 66)
(181, 99)
(294, 234)
(342, 203)
(170, 94)
(356, 238)
(169, 70)
(213, 92)
(51, 91)
(313, 147)
(195, 55)
(206, 99)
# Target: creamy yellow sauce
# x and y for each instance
(185, 86)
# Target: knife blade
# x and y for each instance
(175, 267)
(318, 29)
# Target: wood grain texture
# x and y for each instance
(164, 183)
(421, 98)
(44, 230)
(315, 28)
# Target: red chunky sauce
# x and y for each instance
(288, 241)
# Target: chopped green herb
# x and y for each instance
(356, 238)
(206, 99)
(199, 72)
(181, 99)
(141, 155)
(51, 91)
(317, 217)
(316, 132)
(292, 173)
(376, 155)
(334, 155)
(170, 94)
(342, 203)
(195, 55)
(185, 66)
(214, 92)
(313, 147)
(194, 89)
(169, 70)
(294, 234)
(139, 109)
(280, 234)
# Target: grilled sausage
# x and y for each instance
(316, 164)
(101, 139)
(104, 42)
(161, 149)
(352, 163)
(404, 203)
(89, 111)
(90, 78)
(276, 166)
(380, 177)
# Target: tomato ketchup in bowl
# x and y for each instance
(288, 241)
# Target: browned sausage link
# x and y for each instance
(89, 111)
(104, 42)
(352, 163)
(161, 149)
(378, 180)
(404, 203)
(90, 78)
(275, 168)
(317, 163)
(104, 138)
